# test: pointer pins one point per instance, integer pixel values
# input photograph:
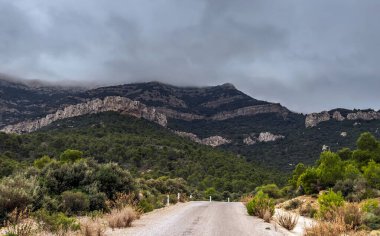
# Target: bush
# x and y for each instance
(330, 168)
(287, 220)
(18, 223)
(370, 206)
(309, 181)
(121, 218)
(329, 201)
(16, 192)
(42, 162)
(56, 222)
(71, 155)
(371, 220)
(145, 206)
(351, 215)
(261, 206)
(293, 204)
(372, 174)
(92, 227)
(271, 189)
(308, 211)
(75, 202)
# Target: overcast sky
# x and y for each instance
(307, 55)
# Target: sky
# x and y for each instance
(308, 55)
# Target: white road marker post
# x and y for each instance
(228, 199)
(167, 200)
(178, 196)
(210, 198)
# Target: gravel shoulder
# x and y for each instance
(200, 218)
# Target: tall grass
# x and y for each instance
(287, 220)
(121, 218)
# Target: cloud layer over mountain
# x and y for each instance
(308, 55)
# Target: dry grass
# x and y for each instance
(121, 218)
(266, 215)
(19, 223)
(287, 220)
(92, 227)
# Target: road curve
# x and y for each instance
(200, 218)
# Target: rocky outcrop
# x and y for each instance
(262, 137)
(314, 119)
(370, 115)
(252, 111)
(337, 116)
(213, 141)
(114, 103)
(245, 111)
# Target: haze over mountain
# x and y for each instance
(310, 56)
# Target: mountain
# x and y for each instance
(219, 116)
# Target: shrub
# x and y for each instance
(71, 155)
(55, 222)
(371, 220)
(287, 220)
(370, 206)
(309, 181)
(323, 228)
(329, 201)
(271, 189)
(18, 223)
(92, 227)
(145, 206)
(261, 205)
(372, 174)
(293, 204)
(42, 162)
(351, 215)
(75, 202)
(16, 192)
(308, 211)
(121, 218)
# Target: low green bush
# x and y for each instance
(261, 205)
(75, 202)
(370, 206)
(293, 204)
(329, 201)
(55, 222)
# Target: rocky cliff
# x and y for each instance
(314, 119)
(112, 103)
(213, 141)
(262, 137)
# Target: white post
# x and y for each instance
(228, 199)
(191, 196)
(167, 200)
(178, 196)
(210, 198)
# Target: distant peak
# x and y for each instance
(228, 85)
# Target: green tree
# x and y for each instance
(71, 155)
(367, 141)
(42, 162)
(329, 200)
(309, 181)
(297, 172)
(330, 168)
(372, 174)
(345, 154)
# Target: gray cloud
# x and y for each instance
(308, 55)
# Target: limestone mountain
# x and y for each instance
(219, 116)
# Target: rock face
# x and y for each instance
(371, 115)
(245, 111)
(314, 119)
(337, 116)
(112, 103)
(263, 137)
(213, 141)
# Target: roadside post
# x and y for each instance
(228, 199)
(210, 198)
(167, 200)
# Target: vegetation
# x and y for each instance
(287, 220)
(261, 205)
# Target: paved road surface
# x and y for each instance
(200, 218)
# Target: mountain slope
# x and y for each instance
(222, 116)
(145, 148)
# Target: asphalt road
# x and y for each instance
(200, 218)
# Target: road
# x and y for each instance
(200, 218)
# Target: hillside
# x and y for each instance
(146, 149)
(219, 116)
